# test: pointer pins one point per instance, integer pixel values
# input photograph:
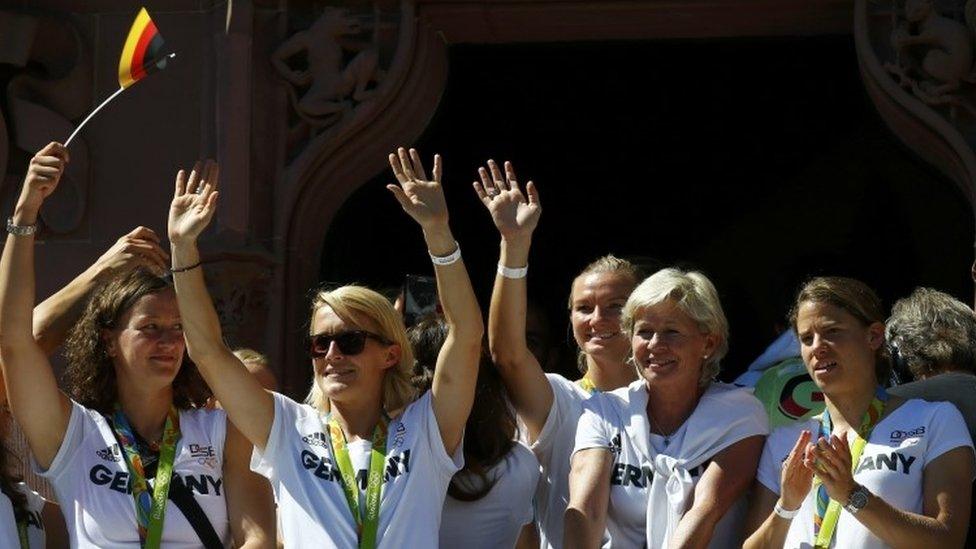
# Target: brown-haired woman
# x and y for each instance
(489, 501)
(549, 404)
(874, 470)
(364, 437)
(130, 415)
(37, 520)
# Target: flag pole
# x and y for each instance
(89, 117)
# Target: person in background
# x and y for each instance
(549, 405)
(934, 335)
(489, 501)
(258, 365)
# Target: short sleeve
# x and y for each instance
(777, 448)
(74, 435)
(285, 417)
(566, 402)
(593, 431)
(427, 420)
(948, 431)
(526, 466)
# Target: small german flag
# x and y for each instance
(142, 53)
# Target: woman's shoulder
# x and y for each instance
(919, 409)
(787, 435)
(521, 463)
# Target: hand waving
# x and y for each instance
(194, 202)
(514, 214)
(43, 175)
(422, 199)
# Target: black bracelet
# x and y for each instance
(185, 269)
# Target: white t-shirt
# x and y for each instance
(312, 506)
(9, 537)
(553, 448)
(496, 519)
(91, 480)
(617, 421)
(892, 466)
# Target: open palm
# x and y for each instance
(422, 198)
(515, 213)
(194, 202)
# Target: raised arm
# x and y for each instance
(250, 503)
(457, 364)
(57, 314)
(32, 390)
(515, 216)
(248, 405)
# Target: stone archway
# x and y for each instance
(342, 159)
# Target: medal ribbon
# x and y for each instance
(587, 385)
(22, 534)
(828, 510)
(150, 510)
(367, 526)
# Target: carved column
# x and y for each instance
(338, 151)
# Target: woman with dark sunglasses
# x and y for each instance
(132, 460)
(365, 463)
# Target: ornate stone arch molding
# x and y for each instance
(334, 165)
(340, 152)
(916, 59)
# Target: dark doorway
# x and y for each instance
(759, 161)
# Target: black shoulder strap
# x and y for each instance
(182, 497)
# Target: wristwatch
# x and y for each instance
(857, 500)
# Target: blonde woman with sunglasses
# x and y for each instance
(366, 463)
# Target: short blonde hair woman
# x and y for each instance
(366, 421)
(666, 460)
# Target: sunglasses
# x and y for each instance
(349, 343)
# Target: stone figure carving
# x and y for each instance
(49, 86)
(934, 53)
(328, 88)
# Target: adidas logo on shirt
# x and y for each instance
(316, 439)
(112, 453)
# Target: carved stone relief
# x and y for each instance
(933, 52)
(240, 287)
(334, 68)
(918, 60)
(50, 86)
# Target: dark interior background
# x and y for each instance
(759, 161)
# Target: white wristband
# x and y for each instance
(509, 272)
(788, 515)
(447, 259)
